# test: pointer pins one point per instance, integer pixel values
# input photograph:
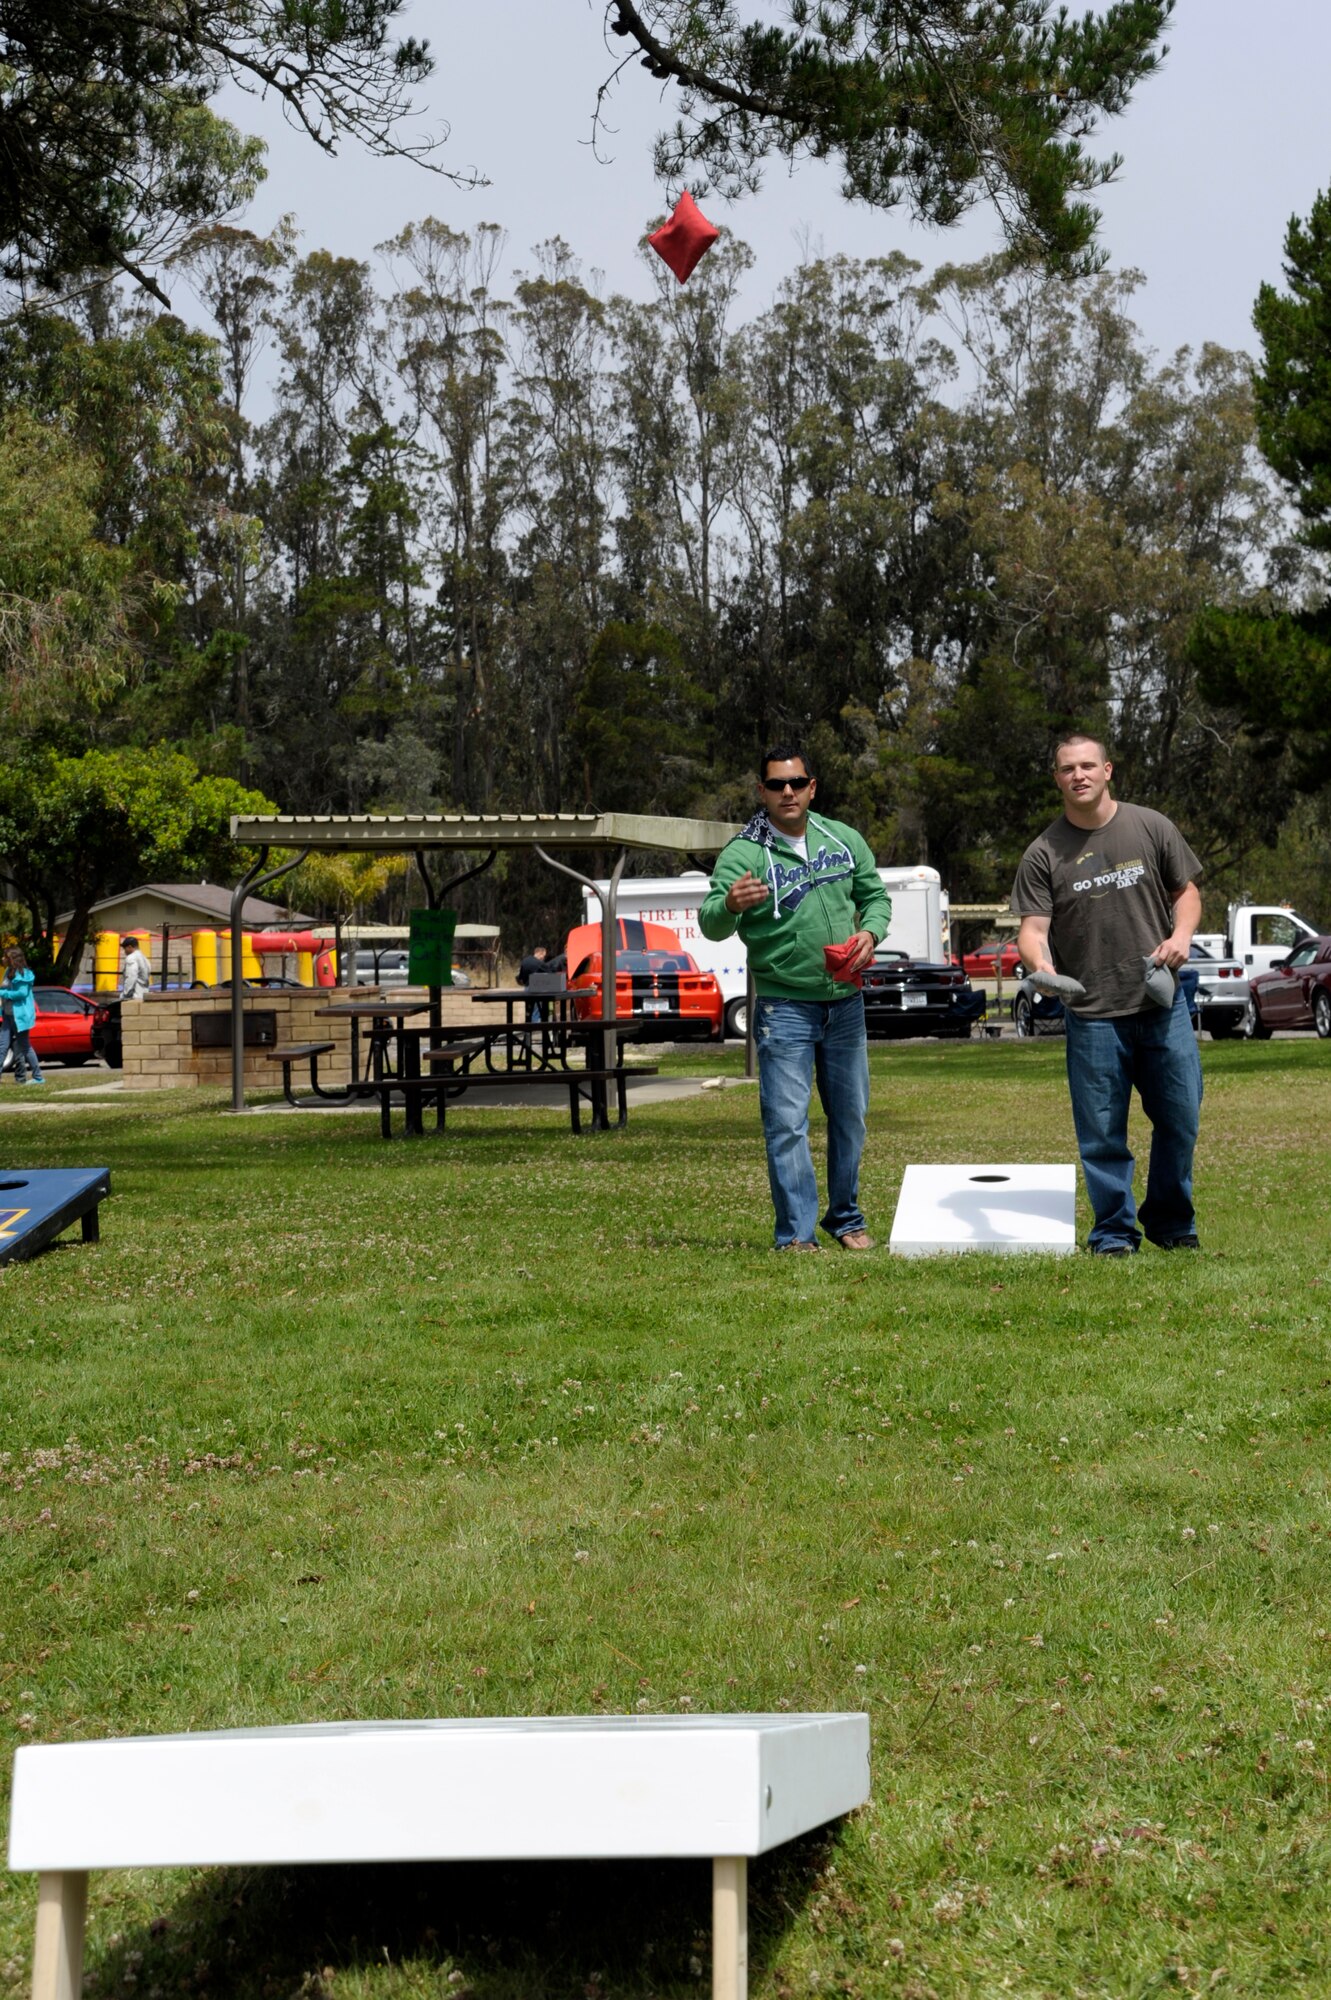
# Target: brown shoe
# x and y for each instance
(798, 1246)
(856, 1239)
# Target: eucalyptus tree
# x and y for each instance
(1109, 499)
(450, 331)
(334, 637)
(1269, 658)
(561, 434)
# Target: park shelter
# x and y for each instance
(460, 836)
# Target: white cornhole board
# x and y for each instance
(986, 1208)
(531, 1788)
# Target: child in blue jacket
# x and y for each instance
(18, 1015)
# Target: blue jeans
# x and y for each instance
(798, 1041)
(24, 1053)
(1156, 1052)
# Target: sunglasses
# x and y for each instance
(780, 784)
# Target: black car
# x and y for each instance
(911, 996)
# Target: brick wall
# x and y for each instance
(158, 1043)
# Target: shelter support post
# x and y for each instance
(433, 900)
(57, 1959)
(730, 1928)
(255, 879)
(609, 984)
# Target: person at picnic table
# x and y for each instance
(18, 1016)
(535, 962)
(792, 884)
(1108, 901)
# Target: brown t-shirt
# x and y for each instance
(1107, 890)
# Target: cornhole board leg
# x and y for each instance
(57, 1959)
(730, 1928)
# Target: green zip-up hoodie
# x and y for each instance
(823, 900)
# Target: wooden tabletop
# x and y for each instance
(365, 1010)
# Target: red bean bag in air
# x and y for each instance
(687, 237)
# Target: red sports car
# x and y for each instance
(1294, 994)
(656, 982)
(985, 960)
(69, 1027)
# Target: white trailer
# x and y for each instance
(919, 923)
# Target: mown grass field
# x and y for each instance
(515, 1423)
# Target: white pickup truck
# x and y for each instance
(1256, 936)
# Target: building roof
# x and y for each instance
(209, 900)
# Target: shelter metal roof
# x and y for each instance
(400, 832)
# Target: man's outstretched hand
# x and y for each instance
(746, 893)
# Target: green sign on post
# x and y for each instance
(430, 955)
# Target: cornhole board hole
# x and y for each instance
(985, 1208)
(38, 1204)
(720, 1787)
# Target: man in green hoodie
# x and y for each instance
(792, 883)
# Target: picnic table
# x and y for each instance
(378, 1013)
(429, 1065)
(717, 1787)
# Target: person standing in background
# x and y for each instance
(136, 973)
(18, 1013)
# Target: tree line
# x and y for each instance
(414, 536)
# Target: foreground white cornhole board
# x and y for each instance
(985, 1208)
(526, 1788)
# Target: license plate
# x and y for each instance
(915, 999)
(656, 1006)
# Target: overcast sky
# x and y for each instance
(1219, 150)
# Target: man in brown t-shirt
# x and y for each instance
(1104, 895)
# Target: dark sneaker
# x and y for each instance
(1177, 1243)
(1113, 1249)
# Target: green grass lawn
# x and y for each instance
(517, 1423)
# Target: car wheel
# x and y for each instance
(1322, 1014)
(737, 1020)
(1254, 1027)
(1023, 1016)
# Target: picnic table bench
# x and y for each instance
(301, 1052)
(717, 1787)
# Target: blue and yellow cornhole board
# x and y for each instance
(38, 1204)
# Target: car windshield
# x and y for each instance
(652, 961)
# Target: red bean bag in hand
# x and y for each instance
(836, 957)
(687, 237)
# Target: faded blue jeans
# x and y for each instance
(1155, 1052)
(799, 1041)
(24, 1054)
